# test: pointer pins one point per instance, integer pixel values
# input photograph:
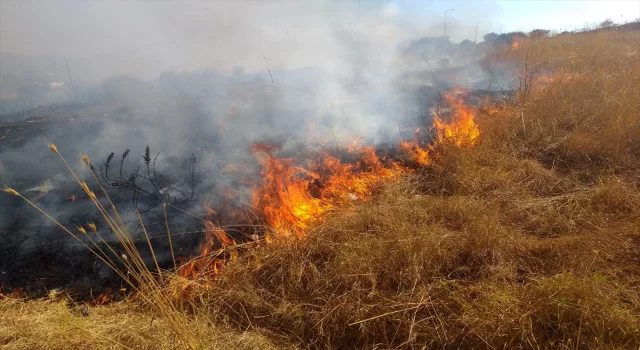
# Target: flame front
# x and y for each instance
(284, 196)
(214, 237)
(462, 129)
(292, 195)
(416, 153)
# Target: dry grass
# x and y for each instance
(59, 324)
(585, 122)
(529, 240)
(414, 270)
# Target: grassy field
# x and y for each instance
(530, 239)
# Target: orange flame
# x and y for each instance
(103, 299)
(462, 130)
(516, 40)
(214, 237)
(214, 232)
(417, 153)
(292, 196)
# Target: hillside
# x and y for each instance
(528, 239)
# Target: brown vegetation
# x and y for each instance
(529, 240)
(61, 324)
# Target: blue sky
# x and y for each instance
(566, 14)
(522, 15)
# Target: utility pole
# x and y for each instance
(477, 24)
(445, 22)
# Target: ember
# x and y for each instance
(103, 299)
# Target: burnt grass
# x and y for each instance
(37, 257)
(528, 240)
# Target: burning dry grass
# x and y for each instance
(414, 269)
(528, 240)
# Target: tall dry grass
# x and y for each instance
(59, 324)
(148, 284)
(528, 240)
(585, 121)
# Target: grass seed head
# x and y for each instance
(11, 191)
(88, 191)
(92, 227)
(53, 147)
(85, 159)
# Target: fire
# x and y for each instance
(418, 154)
(284, 195)
(292, 197)
(462, 129)
(516, 40)
(294, 194)
(213, 232)
(214, 237)
(103, 299)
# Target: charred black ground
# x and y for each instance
(56, 261)
(198, 128)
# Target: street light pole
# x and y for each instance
(477, 24)
(445, 22)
